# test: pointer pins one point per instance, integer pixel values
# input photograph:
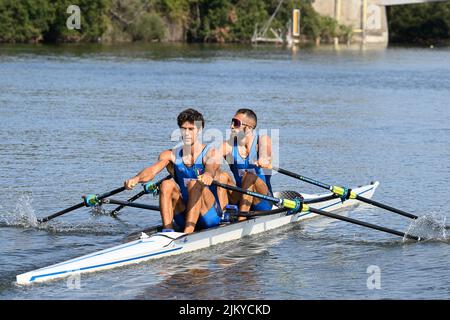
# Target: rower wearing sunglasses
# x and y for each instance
(249, 158)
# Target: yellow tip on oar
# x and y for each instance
(341, 191)
(295, 205)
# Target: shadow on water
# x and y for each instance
(140, 51)
(219, 272)
(206, 274)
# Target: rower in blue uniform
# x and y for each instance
(186, 198)
(184, 176)
(249, 157)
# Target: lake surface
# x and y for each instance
(81, 119)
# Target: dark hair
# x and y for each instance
(191, 116)
(249, 113)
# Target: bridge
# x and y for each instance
(368, 17)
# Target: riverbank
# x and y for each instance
(222, 21)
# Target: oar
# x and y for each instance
(149, 187)
(88, 201)
(114, 212)
(130, 204)
(297, 205)
(346, 193)
(157, 208)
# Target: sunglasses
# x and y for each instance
(238, 123)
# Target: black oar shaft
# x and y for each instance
(110, 193)
(80, 205)
(60, 213)
(321, 212)
(358, 197)
(247, 192)
(384, 206)
(303, 178)
(132, 204)
(120, 207)
(137, 196)
(363, 224)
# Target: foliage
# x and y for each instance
(93, 21)
(210, 20)
(149, 20)
(419, 23)
(148, 27)
(246, 15)
(24, 21)
(37, 20)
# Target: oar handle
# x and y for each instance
(138, 195)
(248, 192)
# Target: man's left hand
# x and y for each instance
(264, 163)
(206, 179)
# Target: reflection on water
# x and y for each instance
(207, 273)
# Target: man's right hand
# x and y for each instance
(131, 183)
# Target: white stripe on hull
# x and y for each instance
(166, 244)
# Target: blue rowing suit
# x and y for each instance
(241, 165)
(182, 176)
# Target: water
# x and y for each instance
(81, 119)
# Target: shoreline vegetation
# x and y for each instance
(422, 24)
(200, 21)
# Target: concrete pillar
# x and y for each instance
(367, 18)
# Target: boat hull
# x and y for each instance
(166, 244)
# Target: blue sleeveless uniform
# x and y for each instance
(182, 176)
(241, 165)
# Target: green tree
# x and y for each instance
(148, 27)
(419, 23)
(248, 14)
(174, 10)
(93, 21)
(149, 20)
(24, 21)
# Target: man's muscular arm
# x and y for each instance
(165, 158)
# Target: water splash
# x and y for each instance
(99, 211)
(23, 214)
(429, 227)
